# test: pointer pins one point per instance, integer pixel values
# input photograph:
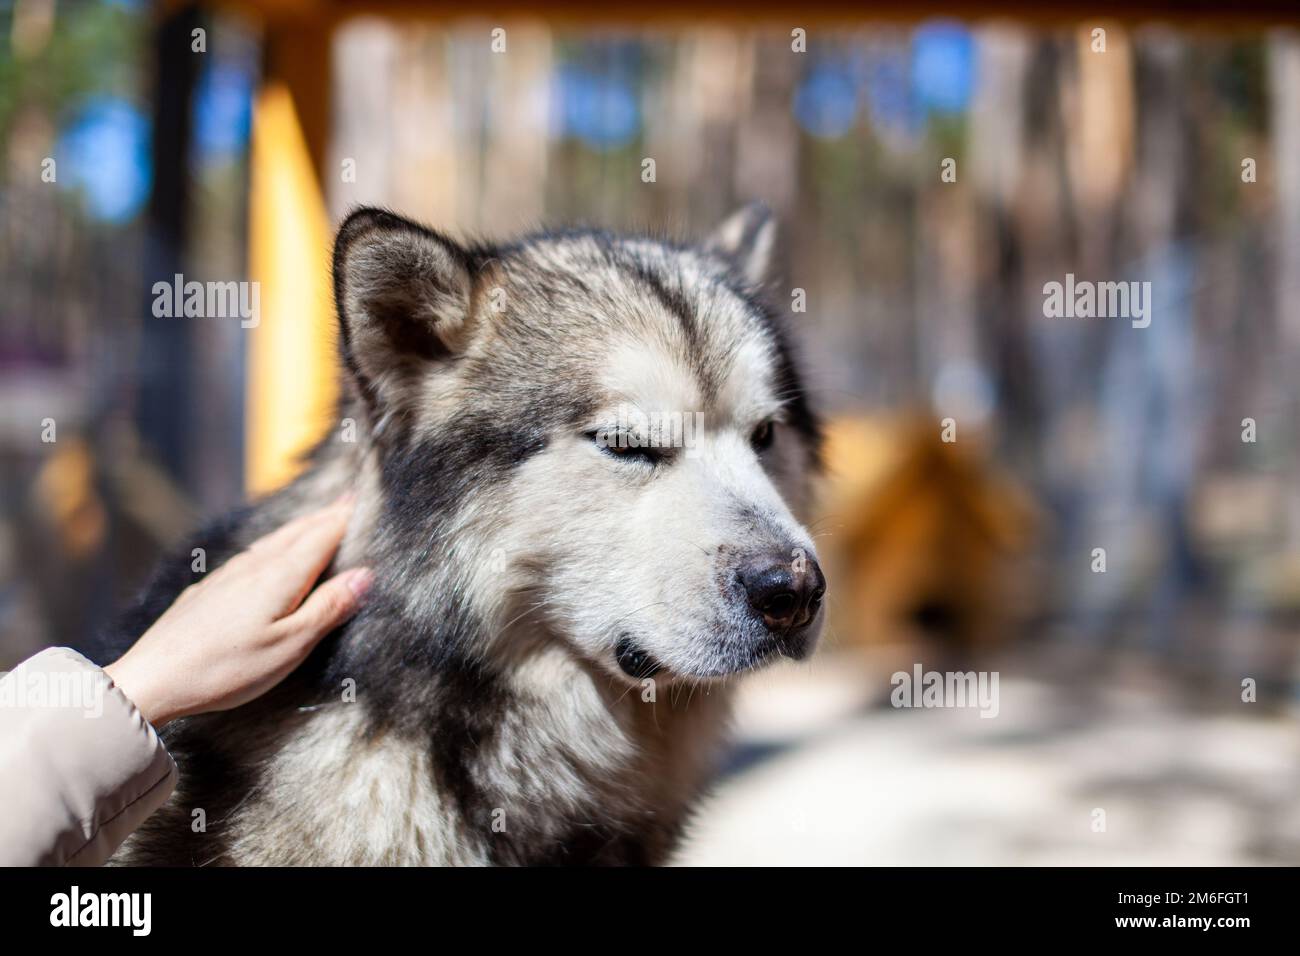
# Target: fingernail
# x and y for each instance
(359, 582)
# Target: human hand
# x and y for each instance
(241, 630)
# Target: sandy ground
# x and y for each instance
(826, 772)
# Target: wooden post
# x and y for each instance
(292, 371)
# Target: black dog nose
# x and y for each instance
(786, 591)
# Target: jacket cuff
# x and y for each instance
(80, 767)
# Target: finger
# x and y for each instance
(329, 606)
(297, 567)
(286, 534)
(292, 530)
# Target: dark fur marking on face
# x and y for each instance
(790, 387)
(705, 369)
(672, 300)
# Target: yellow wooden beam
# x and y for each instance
(292, 372)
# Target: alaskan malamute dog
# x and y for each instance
(578, 461)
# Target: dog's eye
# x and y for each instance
(626, 447)
(761, 439)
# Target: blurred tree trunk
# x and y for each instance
(163, 409)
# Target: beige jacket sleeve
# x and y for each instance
(80, 768)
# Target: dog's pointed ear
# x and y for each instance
(403, 294)
(747, 239)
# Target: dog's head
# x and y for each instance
(606, 432)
